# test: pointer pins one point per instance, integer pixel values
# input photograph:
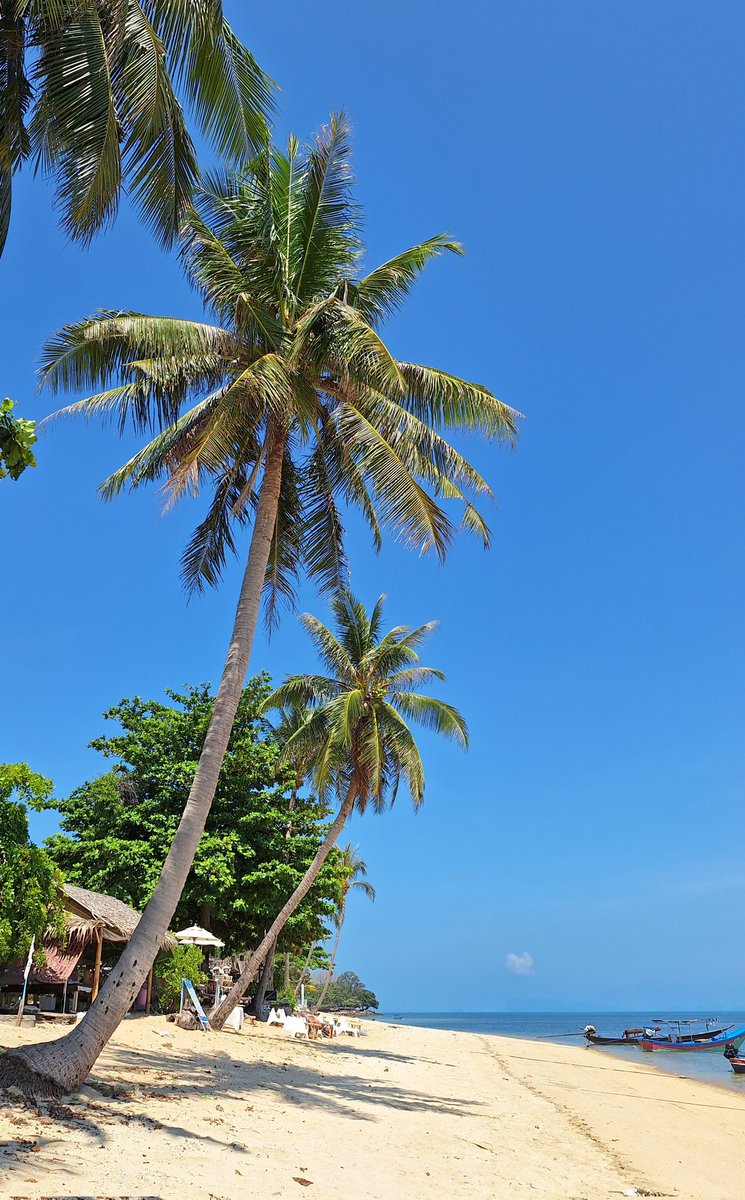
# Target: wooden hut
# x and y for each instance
(91, 919)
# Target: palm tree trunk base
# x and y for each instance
(25, 1069)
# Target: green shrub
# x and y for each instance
(185, 962)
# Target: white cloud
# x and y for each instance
(520, 964)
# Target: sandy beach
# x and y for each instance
(399, 1114)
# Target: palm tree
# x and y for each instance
(358, 733)
(351, 870)
(290, 719)
(297, 409)
(89, 89)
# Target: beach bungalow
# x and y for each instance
(70, 978)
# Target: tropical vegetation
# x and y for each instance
(298, 409)
(183, 962)
(347, 991)
(91, 91)
(260, 836)
(17, 436)
(30, 899)
(357, 736)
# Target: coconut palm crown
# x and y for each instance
(357, 736)
(90, 90)
(351, 870)
(295, 370)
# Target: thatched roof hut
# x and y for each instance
(87, 913)
(91, 918)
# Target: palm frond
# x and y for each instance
(401, 502)
(287, 550)
(230, 94)
(160, 161)
(73, 78)
(408, 759)
(433, 714)
(327, 239)
(445, 402)
(324, 556)
(382, 292)
(328, 648)
(99, 349)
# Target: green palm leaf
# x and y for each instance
(101, 80)
(383, 292)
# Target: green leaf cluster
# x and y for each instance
(29, 881)
(17, 436)
(348, 991)
(117, 827)
(183, 962)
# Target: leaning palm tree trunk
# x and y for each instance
(59, 1067)
(304, 972)
(332, 963)
(266, 977)
(221, 1014)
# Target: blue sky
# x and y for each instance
(590, 157)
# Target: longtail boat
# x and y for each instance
(631, 1037)
(738, 1065)
(716, 1043)
(635, 1037)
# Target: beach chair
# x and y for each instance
(188, 989)
(350, 1028)
(276, 1017)
(297, 1027)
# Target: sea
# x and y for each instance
(566, 1028)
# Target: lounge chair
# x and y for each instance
(297, 1026)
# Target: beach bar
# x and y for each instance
(70, 978)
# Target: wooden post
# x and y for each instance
(97, 965)
(149, 990)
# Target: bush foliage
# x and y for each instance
(183, 962)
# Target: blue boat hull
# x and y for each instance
(736, 1039)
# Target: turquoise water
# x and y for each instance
(566, 1028)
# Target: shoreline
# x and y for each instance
(701, 1067)
(403, 1113)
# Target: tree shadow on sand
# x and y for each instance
(146, 1087)
(310, 1081)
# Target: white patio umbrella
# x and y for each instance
(196, 936)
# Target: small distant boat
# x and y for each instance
(735, 1039)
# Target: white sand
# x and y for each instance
(401, 1114)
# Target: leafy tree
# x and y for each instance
(117, 827)
(89, 89)
(300, 409)
(348, 991)
(183, 962)
(357, 735)
(29, 881)
(17, 436)
(351, 871)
